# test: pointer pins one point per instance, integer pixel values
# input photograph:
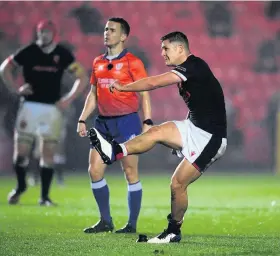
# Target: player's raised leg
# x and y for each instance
(23, 146)
(183, 176)
(101, 194)
(166, 133)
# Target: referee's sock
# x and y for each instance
(101, 193)
(134, 197)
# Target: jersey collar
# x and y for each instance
(122, 54)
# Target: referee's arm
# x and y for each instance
(90, 104)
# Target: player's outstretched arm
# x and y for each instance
(148, 84)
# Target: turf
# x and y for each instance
(228, 215)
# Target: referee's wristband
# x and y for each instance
(148, 122)
(82, 121)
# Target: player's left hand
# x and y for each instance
(63, 104)
(146, 127)
(115, 85)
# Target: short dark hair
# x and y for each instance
(176, 36)
(124, 24)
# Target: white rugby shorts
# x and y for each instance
(38, 119)
(200, 148)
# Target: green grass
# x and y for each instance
(228, 215)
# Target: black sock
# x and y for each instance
(117, 149)
(174, 226)
(46, 179)
(21, 174)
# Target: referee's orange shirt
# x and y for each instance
(126, 68)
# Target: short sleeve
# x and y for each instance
(182, 71)
(23, 55)
(137, 69)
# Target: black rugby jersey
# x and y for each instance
(203, 95)
(43, 71)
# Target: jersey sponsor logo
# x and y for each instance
(56, 58)
(46, 68)
(119, 66)
(100, 67)
(105, 82)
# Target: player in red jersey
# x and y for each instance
(117, 121)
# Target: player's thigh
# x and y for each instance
(166, 134)
(96, 167)
(36, 150)
(129, 165)
(25, 130)
(26, 121)
(50, 130)
(22, 144)
(50, 122)
(184, 174)
(48, 147)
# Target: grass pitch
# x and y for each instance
(228, 215)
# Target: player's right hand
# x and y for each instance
(25, 90)
(82, 129)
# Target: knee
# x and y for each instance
(155, 131)
(47, 158)
(95, 173)
(131, 174)
(176, 185)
